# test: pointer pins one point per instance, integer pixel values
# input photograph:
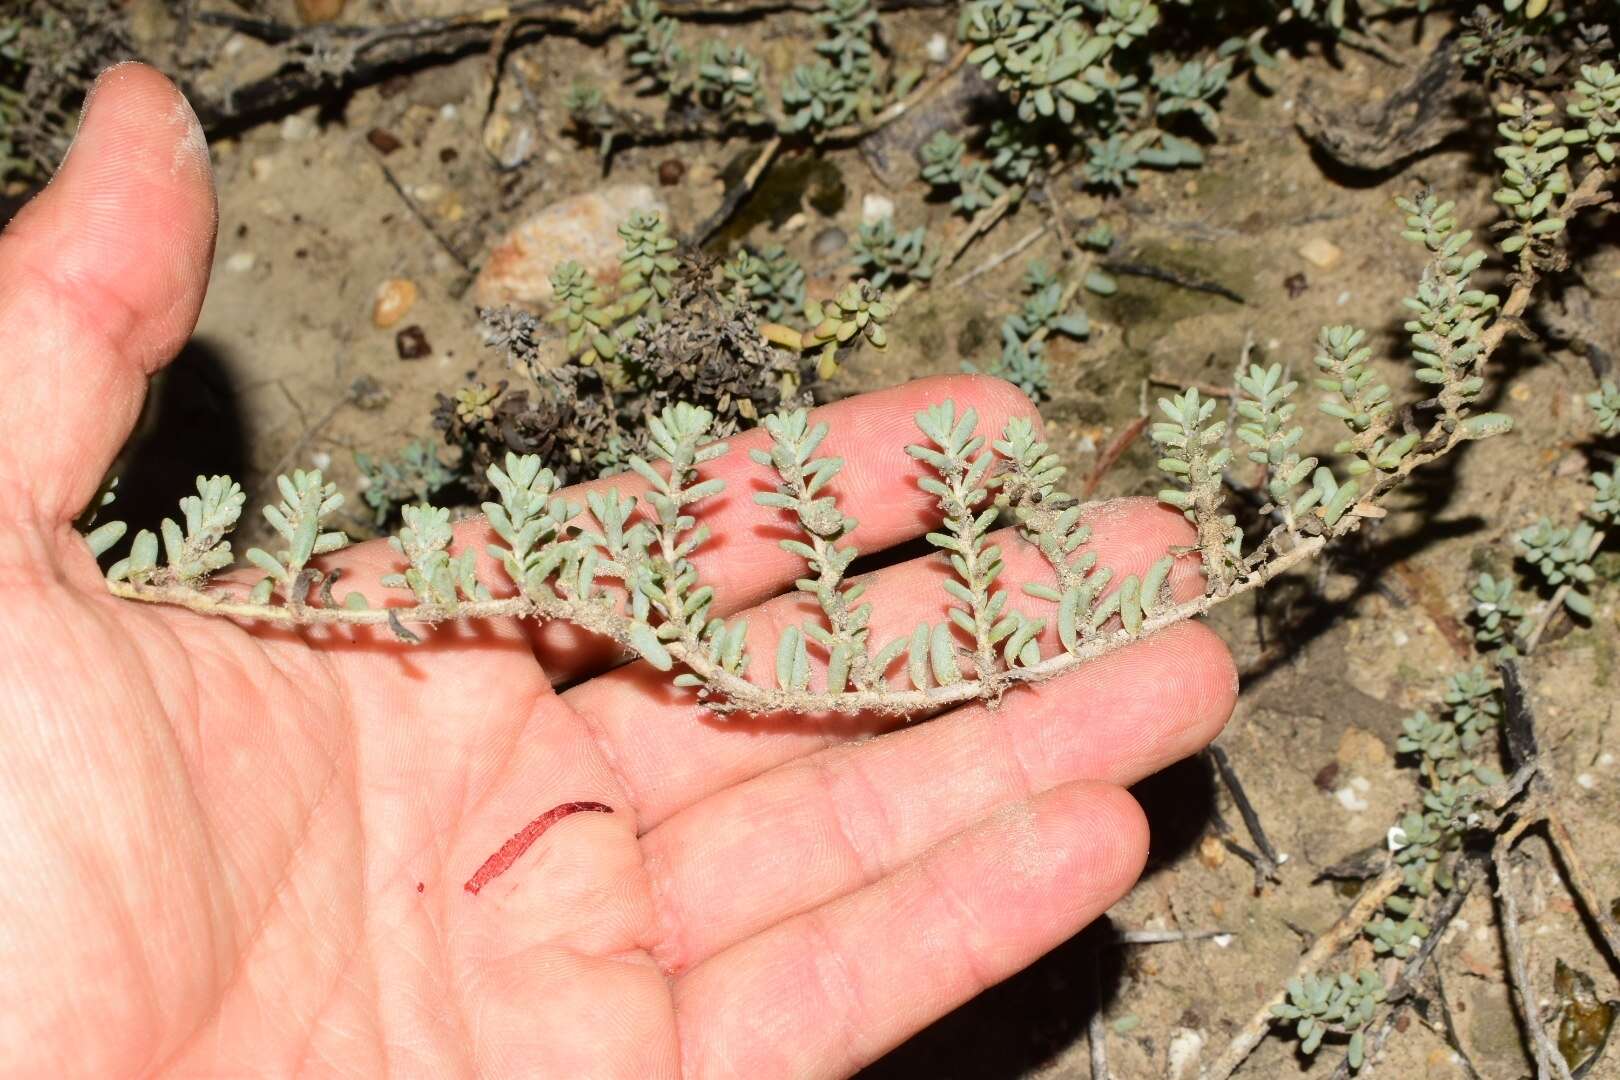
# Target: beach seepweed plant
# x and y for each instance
(623, 566)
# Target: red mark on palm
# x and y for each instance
(509, 853)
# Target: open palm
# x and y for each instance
(228, 851)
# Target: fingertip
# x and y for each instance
(1191, 683)
(1108, 837)
(128, 222)
(102, 278)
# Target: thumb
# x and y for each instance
(101, 280)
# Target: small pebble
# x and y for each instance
(1322, 253)
(938, 49)
(511, 143)
(297, 127)
(1586, 780)
(1296, 284)
(261, 168)
(321, 460)
(1606, 759)
(241, 262)
(412, 344)
(828, 242)
(1222, 941)
(385, 142)
(1130, 1021)
(1211, 852)
(794, 223)
(394, 298)
(449, 112)
(875, 208)
(1572, 464)
(1350, 800)
(1343, 298)
(670, 171)
(319, 11)
(1182, 1056)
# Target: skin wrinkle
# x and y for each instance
(469, 809)
(126, 931)
(444, 964)
(114, 900)
(670, 950)
(604, 749)
(337, 981)
(869, 864)
(961, 946)
(827, 960)
(261, 922)
(64, 292)
(219, 901)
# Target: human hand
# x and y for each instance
(229, 850)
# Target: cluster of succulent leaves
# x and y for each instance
(414, 475)
(1049, 308)
(692, 339)
(723, 78)
(1318, 1006)
(844, 84)
(970, 186)
(1081, 78)
(597, 323)
(609, 330)
(1496, 613)
(1560, 555)
(1453, 771)
(1506, 45)
(192, 548)
(1449, 753)
(771, 280)
(884, 254)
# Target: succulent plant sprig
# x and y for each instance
(624, 565)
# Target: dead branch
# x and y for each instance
(1549, 1062)
(1324, 948)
